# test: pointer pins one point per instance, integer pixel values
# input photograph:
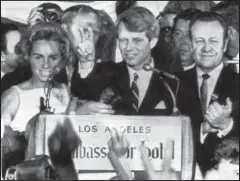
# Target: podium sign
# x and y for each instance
(94, 131)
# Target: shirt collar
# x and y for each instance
(188, 67)
(132, 71)
(213, 74)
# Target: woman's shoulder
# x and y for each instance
(10, 93)
(10, 102)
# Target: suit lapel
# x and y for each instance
(194, 90)
(221, 87)
(122, 83)
(153, 94)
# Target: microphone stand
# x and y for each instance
(176, 111)
(44, 103)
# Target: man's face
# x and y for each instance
(166, 24)
(182, 42)
(45, 57)
(208, 44)
(135, 47)
(83, 21)
(10, 57)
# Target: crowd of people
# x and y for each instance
(63, 61)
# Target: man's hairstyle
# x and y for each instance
(228, 149)
(5, 28)
(70, 13)
(209, 16)
(122, 6)
(186, 14)
(45, 31)
(140, 19)
(230, 10)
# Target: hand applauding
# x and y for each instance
(218, 116)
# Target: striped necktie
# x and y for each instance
(204, 92)
(135, 92)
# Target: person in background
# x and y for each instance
(107, 42)
(226, 157)
(45, 12)
(166, 21)
(90, 77)
(230, 10)
(181, 37)
(10, 56)
(203, 96)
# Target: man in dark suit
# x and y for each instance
(142, 92)
(209, 91)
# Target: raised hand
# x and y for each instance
(118, 143)
(219, 116)
(61, 143)
(35, 16)
(167, 172)
(86, 46)
(118, 147)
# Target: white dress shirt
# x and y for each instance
(2, 74)
(142, 81)
(185, 68)
(211, 82)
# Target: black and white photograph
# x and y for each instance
(120, 90)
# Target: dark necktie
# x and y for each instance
(135, 92)
(204, 92)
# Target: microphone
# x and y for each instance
(148, 67)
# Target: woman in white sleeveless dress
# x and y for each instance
(46, 47)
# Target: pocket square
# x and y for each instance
(161, 105)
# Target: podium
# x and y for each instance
(94, 131)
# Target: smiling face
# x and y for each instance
(182, 42)
(135, 47)
(44, 58)
(208, 44)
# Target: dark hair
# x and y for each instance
(45, 31)
(70, 13)
(174, 7)
(228, 149)
(186, 14)
(51, 16)
(51, 6)
(230, 10)
(5, 28)
(122, 6)
(140, 19)
(209, 16)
